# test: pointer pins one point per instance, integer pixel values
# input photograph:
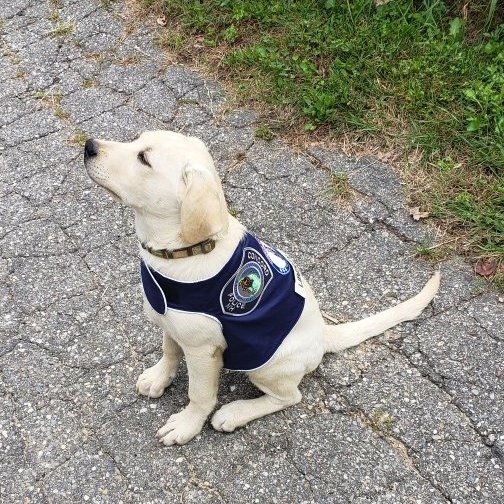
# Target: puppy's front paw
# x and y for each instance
(154, 380)
(180, 428)
(230, 416)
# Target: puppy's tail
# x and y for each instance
(339, 337)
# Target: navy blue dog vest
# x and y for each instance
(257, 297)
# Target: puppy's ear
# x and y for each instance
(203, 211)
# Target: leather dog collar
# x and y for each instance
(203, 247)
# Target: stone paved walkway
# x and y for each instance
(415, 416)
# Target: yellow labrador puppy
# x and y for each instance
(221, 296)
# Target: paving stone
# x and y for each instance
(332, 159)
(141, 43)
(10, 9)
(456, 362)
(209, 95)
(90, 102)
(55, 149)
(128, 77)
(79, 208)
(43, 377)
(157, 100)
(403, 225)
(433, 425)
(248, 468)
(103, 343)
(228, 146)
(280, 161)
(120, 124)
(38, 282)
(36, 238)
(10, 322)
(22, 31)
(141, 459)
(57, 326)
(98, 31)
(13, 109)
(40, 62)
(97, 42)
(66, 83)
(15, 209)
(369, 274)
(491, 319)
(188, 116)
(12, 87)
(372, 465)
(98, 229)
(240, 118)
(127, 304)
(459, 285)
(16, 165)
(29, 127)
(101, 393)
(90, 475)
(33, 11)
(373, 177)
(252, 196)
(113, 266)
(18, 480)
(53, 434)
(87, 66)
(370, 210)
(40, 188)
(75, 11)
(181, 80)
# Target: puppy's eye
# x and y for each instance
(143, 159)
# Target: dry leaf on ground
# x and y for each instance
(416, 214)
(485, 267)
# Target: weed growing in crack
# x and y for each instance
(264, 132)
(340, 186)
(90, 83)
(79, 138)
(431, 253)
(62, 30)
(54, 16)
(49, 99)
(382, 419)
(60, 113)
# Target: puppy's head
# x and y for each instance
(164, 176)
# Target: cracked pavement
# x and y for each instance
(414, 416)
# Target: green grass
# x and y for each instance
(62, 30)
(340, 186)
(264, 132)
(382, 419)
(415, 74)
(79, 138)
(54, 16)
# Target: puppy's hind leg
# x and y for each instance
(281, 391)
(153, 381)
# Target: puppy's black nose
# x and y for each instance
(90, 148)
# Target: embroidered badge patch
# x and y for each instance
(276, 258)
(244, 289)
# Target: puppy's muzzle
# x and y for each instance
(90, 149)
